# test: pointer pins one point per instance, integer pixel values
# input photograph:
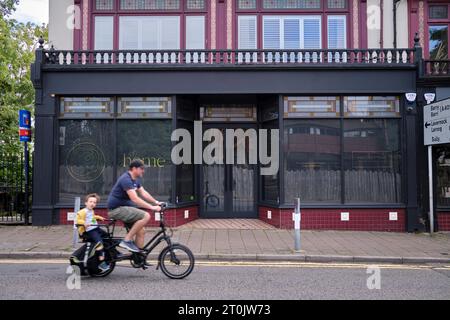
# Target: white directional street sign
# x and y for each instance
(436, 121)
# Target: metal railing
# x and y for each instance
(436, 68)
(230, 57)
(13, 209)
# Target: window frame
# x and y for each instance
(436, 22)
(301, 20)
(324, 11)
(341, 118)
(140, 31)
(341, 17)
(113, 120)
(182, 13)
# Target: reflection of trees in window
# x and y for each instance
(438, 46)
(438, 42)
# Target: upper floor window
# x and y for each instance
(139, 28)
(149, 32)
(438, 12)
(104, 4)
(311, 24)
(438, 26)
(149, 4)
(246, 4)
(292, 4)
(289, 32)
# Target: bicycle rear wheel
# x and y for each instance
(176, 261)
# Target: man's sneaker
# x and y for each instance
(129, 245)
(104, 266)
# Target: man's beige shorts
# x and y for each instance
(128, 215)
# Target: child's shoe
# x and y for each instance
(104, 266)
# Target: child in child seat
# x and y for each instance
(87, 221)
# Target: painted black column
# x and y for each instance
(410, 173)
(44, 168)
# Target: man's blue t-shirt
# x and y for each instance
(119, 196)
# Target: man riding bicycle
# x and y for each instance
(123, 203)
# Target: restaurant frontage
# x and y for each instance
(347, 138)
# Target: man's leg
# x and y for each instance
(131, 215)
(138, 231)
(140, 238)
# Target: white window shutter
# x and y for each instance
(312, 33)
(291, 33)
(272, 39)
(149, 33)
(337, 32)
(247, 33)
(149, 38)
(104, 33)
(195, 32)
(129, 33)
(169, 33)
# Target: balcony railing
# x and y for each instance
(230, 57)
(437, 68)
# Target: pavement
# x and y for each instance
(23, 242)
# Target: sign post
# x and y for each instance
(436, 119)
(25, 137)
(297, 218)
(75, 228)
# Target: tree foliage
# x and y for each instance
(18, 42)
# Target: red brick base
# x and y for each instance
(330, 219)
(443, 219)
(172, 217)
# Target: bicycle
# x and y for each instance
(171, 254)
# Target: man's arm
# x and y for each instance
(139, 202)
(147, 196)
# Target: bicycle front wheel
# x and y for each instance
(176, 261)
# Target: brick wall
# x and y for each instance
(443, 221)
(330, 219)
(172, 217)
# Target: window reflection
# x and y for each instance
(312, 163)
(372, 161)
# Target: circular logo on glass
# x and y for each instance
(85, 162)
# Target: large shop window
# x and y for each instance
(86, 161)
(150, 142)
(149, 32)
(442, 161)
(312, 160)
(372, 161)
(354, 158)
(94, 149)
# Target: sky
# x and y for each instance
(32, 11)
